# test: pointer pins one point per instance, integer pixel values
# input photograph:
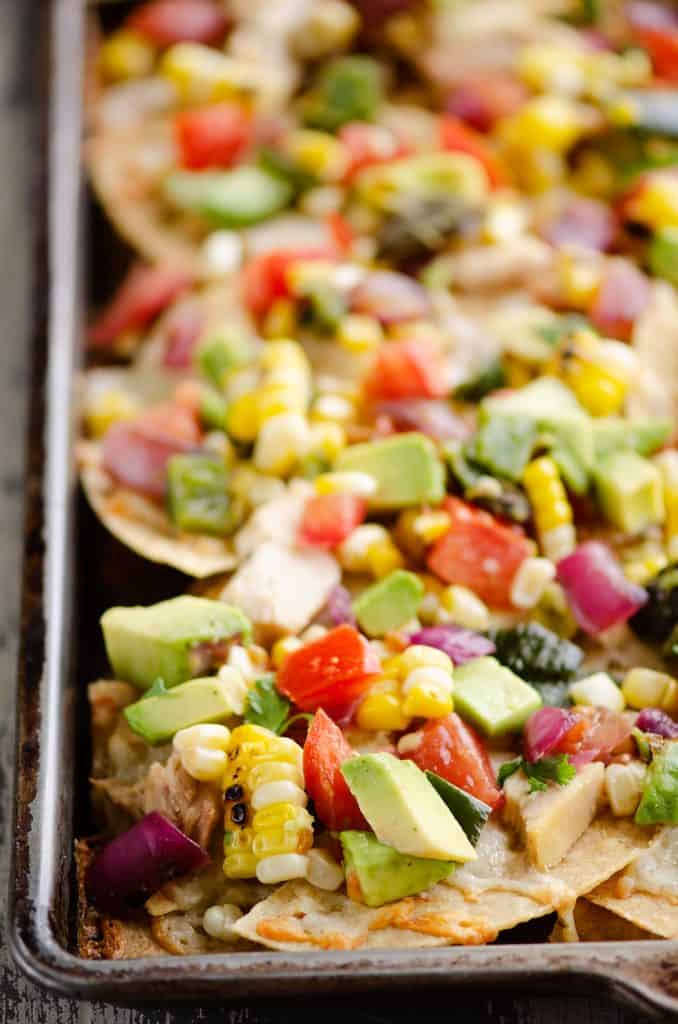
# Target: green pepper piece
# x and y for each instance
(348, 89)
(213, 409)
(222, 353)
(229, 199)
(197, 495)
(482, 383)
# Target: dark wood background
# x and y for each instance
(21, 1003)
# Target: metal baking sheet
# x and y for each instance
(71, 570)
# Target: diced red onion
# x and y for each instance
(135, 864)
(137, 459)
(338, 608)
(165, 22)
(658, 722)
(481, 100)
(461, 645)
(183, 333)
(431, 417)
(599, 593)
(544, 730)
(390, 297)
(583, 222)
(623, 295)
(144, 293)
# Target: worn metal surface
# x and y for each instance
(20, 305)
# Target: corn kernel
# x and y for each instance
(645, 688)
(598, 690)
(624, 784)
(422, 702)
(281, 354)
(359, 334)
(656, 204)
(353, 552)
(313, 632)
(551, 122)
(530, 581)
(110, 408)
(420, 656)
(668, 466)
(281, 868)
(242, 417)
(281, 792)
(328, 440)
(362, 485)
(599, 391)
(283, 648)
(282, 442)
(319, 153)
(218, 921)
(323, 871)
(383, 558)
(334, 408)
(465, 608)
(124, 55)
(579, 280)
(281, 319)
(202, 751)
(381, 711)
(504, 221)
(430, 678)
(274, 399)
(201, 74)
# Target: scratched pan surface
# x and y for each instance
(72, 565)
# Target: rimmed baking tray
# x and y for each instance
(68, 571)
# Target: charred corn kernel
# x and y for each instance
(548, 122)
(283, 648)
(327, 440)
(554, 612)
(218, 921)
(624, 784)
(578, 279)
(281, 868)
(259, 826)
(668, 466)
(323, 871)
(202, 751)
(645, 688)
(109, 408)
(598, 690)
(319, 153)
(419, 656)
(383, 558)
(362, 485)
(530, 581)
(124, 54)
(334, 408)
(242, 417)
(359, 334)
(281, 443)
(465, 608)
(599, 391)
(424, 702)
(281, 319)
(381, 711)
(550, 506)
(236, 687)
(353, 552)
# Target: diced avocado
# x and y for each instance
(630, 491)
(556, 420)
(488, 379)
(347, 89)
(663, 254)
(612, 433)
(197, 494)
(157, 717)
(659, 802)
(406, 467)
(213, 410)
(378, 874)
(404, 809)
(221, 353)
(492, 697)
(470, 812)
(390, 603)
(159, 641)
(229, 199)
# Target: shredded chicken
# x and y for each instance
(194, 807)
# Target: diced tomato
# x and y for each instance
(458, 137)
(623, 294)
(264, 278)
(325, 750)
(329, 673)
(656, 28)
(479, 552)
(369, 145)
(215, 136)
(184, 326)
(136, 453)
(329, 518)
(407, 369)
(144, 293)
(165, 22)
(452, 749)
(597, 735)
(341, 231)
(482, 100)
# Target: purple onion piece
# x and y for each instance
(137, 863)
(434, 418)
(391, 297)
(461, 645)
(544, 730)
(599, 593)
(338, 610)
(658, 722)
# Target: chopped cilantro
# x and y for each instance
(266, 707)
(548, 769)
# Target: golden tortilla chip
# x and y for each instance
(596, 924)
(497, 891)
(145, 528)
(646, 893)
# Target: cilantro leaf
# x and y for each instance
(266, 707)
(549, 769)
(157, 689)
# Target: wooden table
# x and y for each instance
(21, 1003)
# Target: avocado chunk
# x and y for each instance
(612, 433)
(406, 467)
(169, 640)
(221, 353)
(659, 802)
(378, 874)
(157, 717)
(470, 812)
(229, 199)
(630, 491)
(544, 413)
(347, 89)
(197, 494)
(390, 603)
(492, 697)
(404, 809)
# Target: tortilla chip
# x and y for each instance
(624, 895)
(497, 891)
(145, 528)
(596, 924)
